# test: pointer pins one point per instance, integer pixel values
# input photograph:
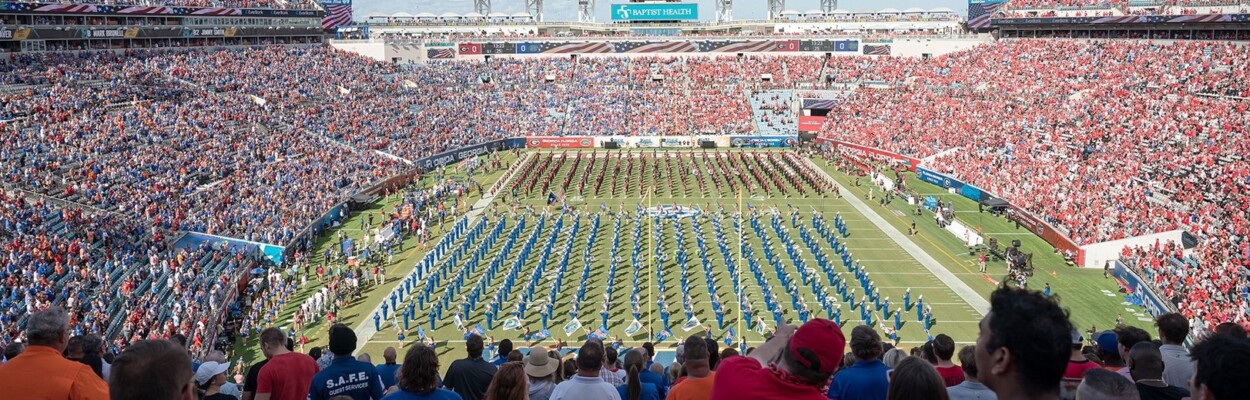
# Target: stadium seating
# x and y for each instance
(1105, 140)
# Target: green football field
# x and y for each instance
(601, 184)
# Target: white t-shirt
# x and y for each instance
(585, 388)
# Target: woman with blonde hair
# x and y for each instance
(509, 383)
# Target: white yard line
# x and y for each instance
(961, 289)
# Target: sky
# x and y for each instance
(566, 10)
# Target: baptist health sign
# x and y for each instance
(655, 12)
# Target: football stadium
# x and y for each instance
(624, 199)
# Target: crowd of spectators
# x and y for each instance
(1026, 349)
(1104, 140)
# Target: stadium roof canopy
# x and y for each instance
(449, 15)
(839, 11)
(522, 15)
(814, 12)
(402, 14)
(888, 11)
(914, 10)
(789, 12)
(498, 15)
(941, 10)
(474, 15)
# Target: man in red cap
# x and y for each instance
(793, 365)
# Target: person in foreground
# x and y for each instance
(156, 370)
(970, 388)
(58, 378)
(634, 388)
(1023, 348)
(587, 384)
(418, 377)
(346, 376)
(866, 379)
(1102, 384)
(1220, 371)
(792, 365)
(915, 379)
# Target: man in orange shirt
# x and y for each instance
(698, 383)
(41, 372)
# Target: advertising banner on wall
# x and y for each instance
(1135, 285)
(810, 123)
(1048, 233)
(655, 12)
(193, 240)
(872, 152)
(448, 157)
(763, 141)
(559, 142)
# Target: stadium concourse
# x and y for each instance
(108, 158)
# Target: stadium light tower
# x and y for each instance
(775, 7)
(828, 6)
(586, 11)
(482, 7)
(535, 8)
(724, 10)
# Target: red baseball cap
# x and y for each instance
(823, 339)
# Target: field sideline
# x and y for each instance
(1092, 299)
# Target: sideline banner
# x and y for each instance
(192, 240)
(1135, 285)
(559, 142)
(763, 141)
(452, 156)
(872, 152)
(1046, 232)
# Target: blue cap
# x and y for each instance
(1107, 342)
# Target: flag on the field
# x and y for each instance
(456, 320)
(420, 333)
(543, 334)
(338, 12)
(980, 12)
(477, 330)
(512, 323)
(633, 328)
(598, 334)
(664, 334)
(760, 328)
(691, 324)
(730, 336)
(572, 326)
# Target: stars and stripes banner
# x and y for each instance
(217, 11)
(338, 13)
(146, 10)
(637, 47)
(662, 47)
(980, 12)
(66, 8)
(877, 50)
(440, 54)
(45, 8)
(583, 48)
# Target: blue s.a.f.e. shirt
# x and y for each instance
(346, 377)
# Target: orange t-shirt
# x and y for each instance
(56, 377)
(693, 388)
